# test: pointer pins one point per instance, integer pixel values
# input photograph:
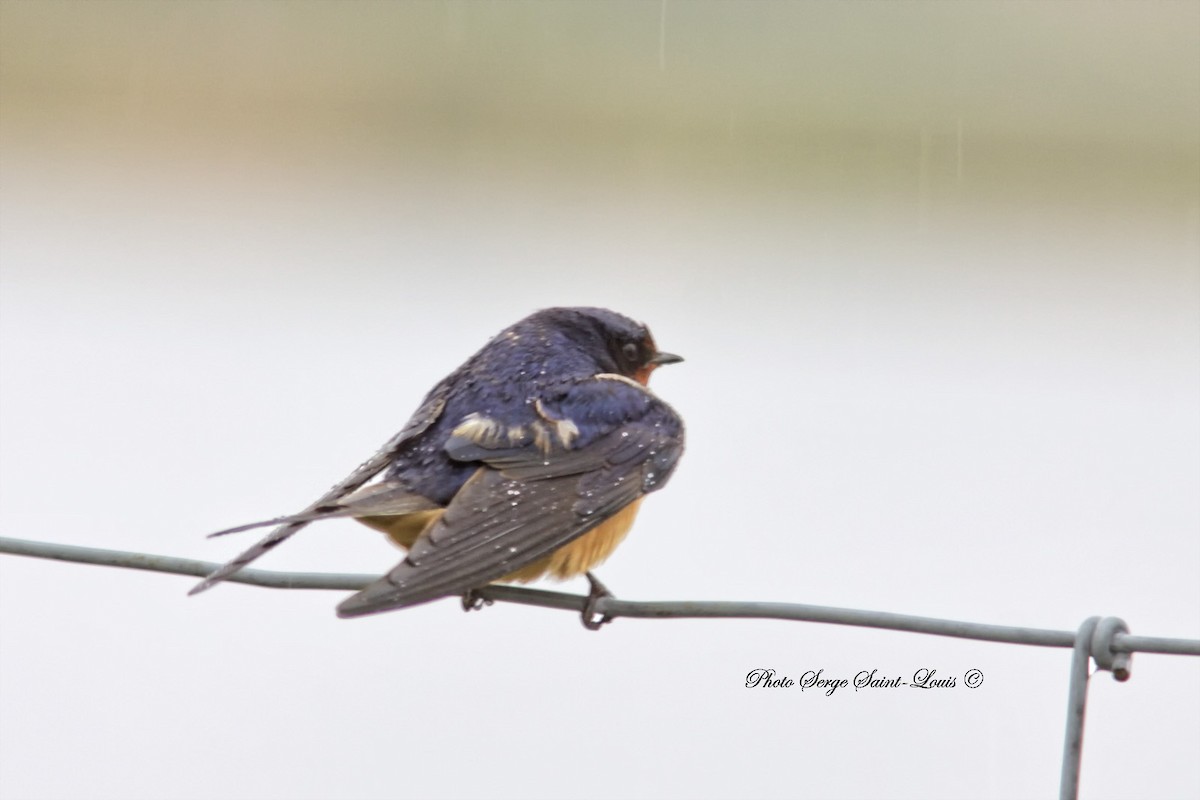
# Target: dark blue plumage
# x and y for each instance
(529, 459)
(550, 354)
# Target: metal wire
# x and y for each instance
(1068, 787)
(1106, 641)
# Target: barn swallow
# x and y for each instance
(529, 460)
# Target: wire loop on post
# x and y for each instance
(1093, 641)
(1106, 658)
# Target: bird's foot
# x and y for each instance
(472, 600)
(598, 592)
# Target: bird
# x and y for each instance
(531, 459)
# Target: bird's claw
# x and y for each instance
(597, 593)
(472, 600)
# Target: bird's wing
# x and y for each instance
(605, 448)
(327, 504)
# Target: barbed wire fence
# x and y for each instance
(1105, 641)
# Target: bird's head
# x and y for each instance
(619, 344)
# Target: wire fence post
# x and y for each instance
(1094, 639)
(1068, 788)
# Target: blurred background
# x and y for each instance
(935, 268)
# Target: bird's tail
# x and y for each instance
(330, 504)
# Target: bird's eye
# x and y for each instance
(630, 351)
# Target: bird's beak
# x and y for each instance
(661, 358)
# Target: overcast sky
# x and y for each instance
(935, 269)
